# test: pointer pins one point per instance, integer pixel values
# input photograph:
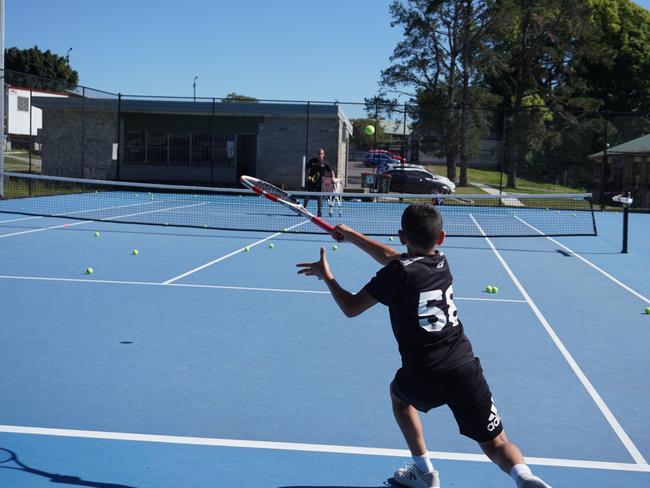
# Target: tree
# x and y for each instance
(47, 70)
(437, 61)
(622, 80)
(543, 43)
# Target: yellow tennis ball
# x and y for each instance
(370, 129)
(495, 289)
(246, 249)
(271, 245)
(647, 310)
(96, 234)
(136, 252)
(89, 271)
(390, 238)
(488, 289)
(335, 247)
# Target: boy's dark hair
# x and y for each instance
(422, 225)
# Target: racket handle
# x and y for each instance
(322, 224)
(328, 227)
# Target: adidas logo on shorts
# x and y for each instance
(493, 420)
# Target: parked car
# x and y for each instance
(410, 179)
(374, 156)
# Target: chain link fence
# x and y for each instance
(58, 129)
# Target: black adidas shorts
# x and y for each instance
(463, 389)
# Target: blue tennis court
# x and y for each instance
(199, 363)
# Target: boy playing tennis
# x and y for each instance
(438, 364)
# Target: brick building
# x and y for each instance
(202, 142)
(627, 169)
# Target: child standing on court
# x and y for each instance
(438, 364)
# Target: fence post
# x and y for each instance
(603, 171)
(119, 130)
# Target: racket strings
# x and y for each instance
(274, 190)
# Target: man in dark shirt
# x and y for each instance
(438, 364)
(315, 169)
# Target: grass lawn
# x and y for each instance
(493, 178)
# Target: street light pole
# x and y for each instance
(195, 78)
(67, 56)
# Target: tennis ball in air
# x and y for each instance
(647, 310)
(89, 271)
(370, 130)
(136, 252)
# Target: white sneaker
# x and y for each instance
(413, 477)
(532, 482)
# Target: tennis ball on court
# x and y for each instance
(390, 238)
(89, 271)
(96, 234)
(488, 289)
(246, 249)
(495, 289)
(647, 310)
(335, 247)
(136, 252)
(370, 130)
(270, 245)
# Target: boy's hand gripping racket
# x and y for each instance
(275, 194)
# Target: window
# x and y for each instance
(23, 104)
(135, 147)
(201, 150)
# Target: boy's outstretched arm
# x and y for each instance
(350, 304)
(381, 253)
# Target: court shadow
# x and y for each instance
(62, 479)
(389, 483)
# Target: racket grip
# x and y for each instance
(328, 227)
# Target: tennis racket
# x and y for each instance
(275, 194)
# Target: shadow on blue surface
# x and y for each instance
(390, 483)
(6, 456)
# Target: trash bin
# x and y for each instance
(382, 183)
(367, 180)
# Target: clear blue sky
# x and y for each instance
(270, 49)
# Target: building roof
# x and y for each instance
(395, 127)
(202, 107)
(638, 146)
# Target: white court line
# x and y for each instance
(237, 251)
(589, 263)
(303, 447)
(20, 219)
(215, 287)
(97, 220)
(607, 413)
(155, 283)
(41, 229)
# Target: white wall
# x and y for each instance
(18, 120)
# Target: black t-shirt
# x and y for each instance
(419, 294)
(315, 171)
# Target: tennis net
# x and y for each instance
(511, 215)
